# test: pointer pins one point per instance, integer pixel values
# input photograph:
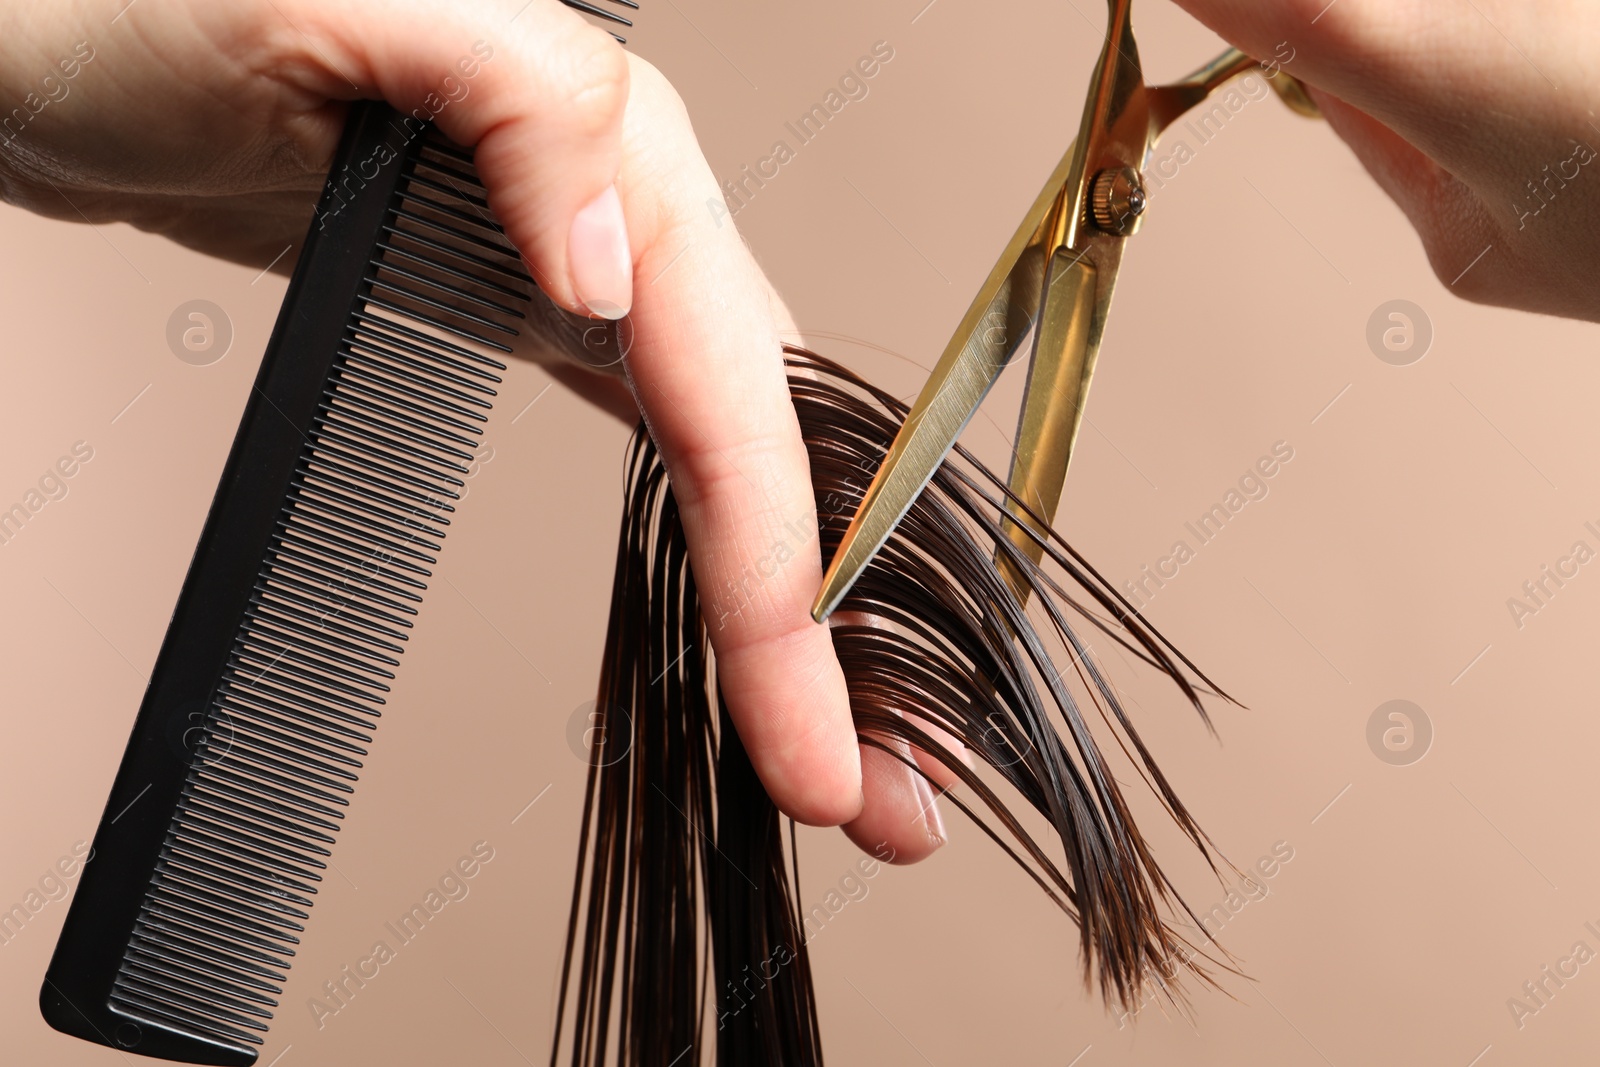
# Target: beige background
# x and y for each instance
(1419, 899)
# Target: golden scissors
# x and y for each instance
(1053, 281)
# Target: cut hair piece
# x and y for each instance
(686, 932)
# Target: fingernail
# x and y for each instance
(932, 821)
(601, 263)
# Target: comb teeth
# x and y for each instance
(280, 746)
(316, 554)
(604, 15)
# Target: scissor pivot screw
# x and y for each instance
(1117, 200)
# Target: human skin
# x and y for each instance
(214, 124)
(1454, 108)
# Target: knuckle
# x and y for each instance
(594, 92)
(1455, 229)
(663, 154)
(727, 475)
(657, 94)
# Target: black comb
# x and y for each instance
(314, 558)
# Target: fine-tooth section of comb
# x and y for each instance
(314, 559)
(320, 544)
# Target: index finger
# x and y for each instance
(706, 366)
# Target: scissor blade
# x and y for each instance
(990, 332)
(1052, 406)
(990, 335)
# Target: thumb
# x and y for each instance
(533, 85)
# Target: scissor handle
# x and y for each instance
(1292, 91)
(1168, 103)
(1078, 293)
